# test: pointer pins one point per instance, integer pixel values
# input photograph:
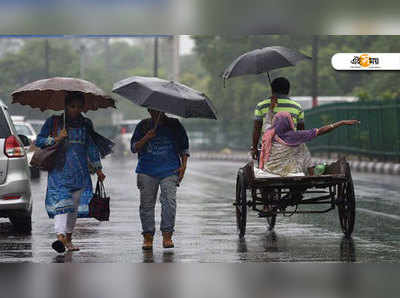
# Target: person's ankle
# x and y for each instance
(62, 238)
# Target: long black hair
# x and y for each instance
(74, 96)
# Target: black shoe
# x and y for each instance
(58, 246)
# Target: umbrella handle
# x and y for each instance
(65, 117)
(269, 78)
(157, 120)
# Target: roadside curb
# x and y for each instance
(369, 166)
(358, 166)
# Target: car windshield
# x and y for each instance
(23, 129)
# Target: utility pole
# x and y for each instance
(46, 58)
(82, 51)
(173, 53)
(155, 72)
(175, 57)
(314, 80)
(108, 57)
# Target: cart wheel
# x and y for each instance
(241, 204)
(347, 206)
(271, 220)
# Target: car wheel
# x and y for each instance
(22, 223)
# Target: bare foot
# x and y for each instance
(311, 171)
(62, 238)
(68, 243)
(59, 244)
(71, 247)
(266, 208)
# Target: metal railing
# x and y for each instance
(377, 136)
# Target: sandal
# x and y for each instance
(71, 247)
(58, 246)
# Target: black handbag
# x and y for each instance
(99, 205)
(45, 158)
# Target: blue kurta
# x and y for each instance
(74, 174)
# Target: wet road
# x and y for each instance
(206, 228)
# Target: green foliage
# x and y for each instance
(24, 61)
(236, 102)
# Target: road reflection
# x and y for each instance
(206, 227)
(347, 250)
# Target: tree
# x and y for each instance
(236, 102)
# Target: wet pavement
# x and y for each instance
(206, 227)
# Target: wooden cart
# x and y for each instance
(283, 195)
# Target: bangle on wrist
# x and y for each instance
(332, 126)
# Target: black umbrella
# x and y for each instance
(166, 96)
(263, 60)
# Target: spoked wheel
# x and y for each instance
(271, 220)
(347, 205)
(241, 204)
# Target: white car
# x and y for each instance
(15, 188)
(36, 124)
(26, 129)
(127, 127)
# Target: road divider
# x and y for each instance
(358, 166)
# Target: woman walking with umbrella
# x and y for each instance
(69, 188)
(162, 146)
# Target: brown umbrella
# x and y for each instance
(49, 94)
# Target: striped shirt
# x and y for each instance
(284, 105)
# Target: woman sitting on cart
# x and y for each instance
(283, 149)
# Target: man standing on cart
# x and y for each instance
(280, 102)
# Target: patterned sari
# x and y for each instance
(283, 149)
(71, 172)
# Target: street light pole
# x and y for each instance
(47, 58)
(315, 71)
(107, 52)
(175, 57)
(155, 71)
(82, 51)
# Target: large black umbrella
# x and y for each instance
(166, 96)
(263, 60)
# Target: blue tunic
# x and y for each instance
(159, 158)
(74, 174)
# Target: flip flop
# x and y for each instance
(73, 248)
(58, 246)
